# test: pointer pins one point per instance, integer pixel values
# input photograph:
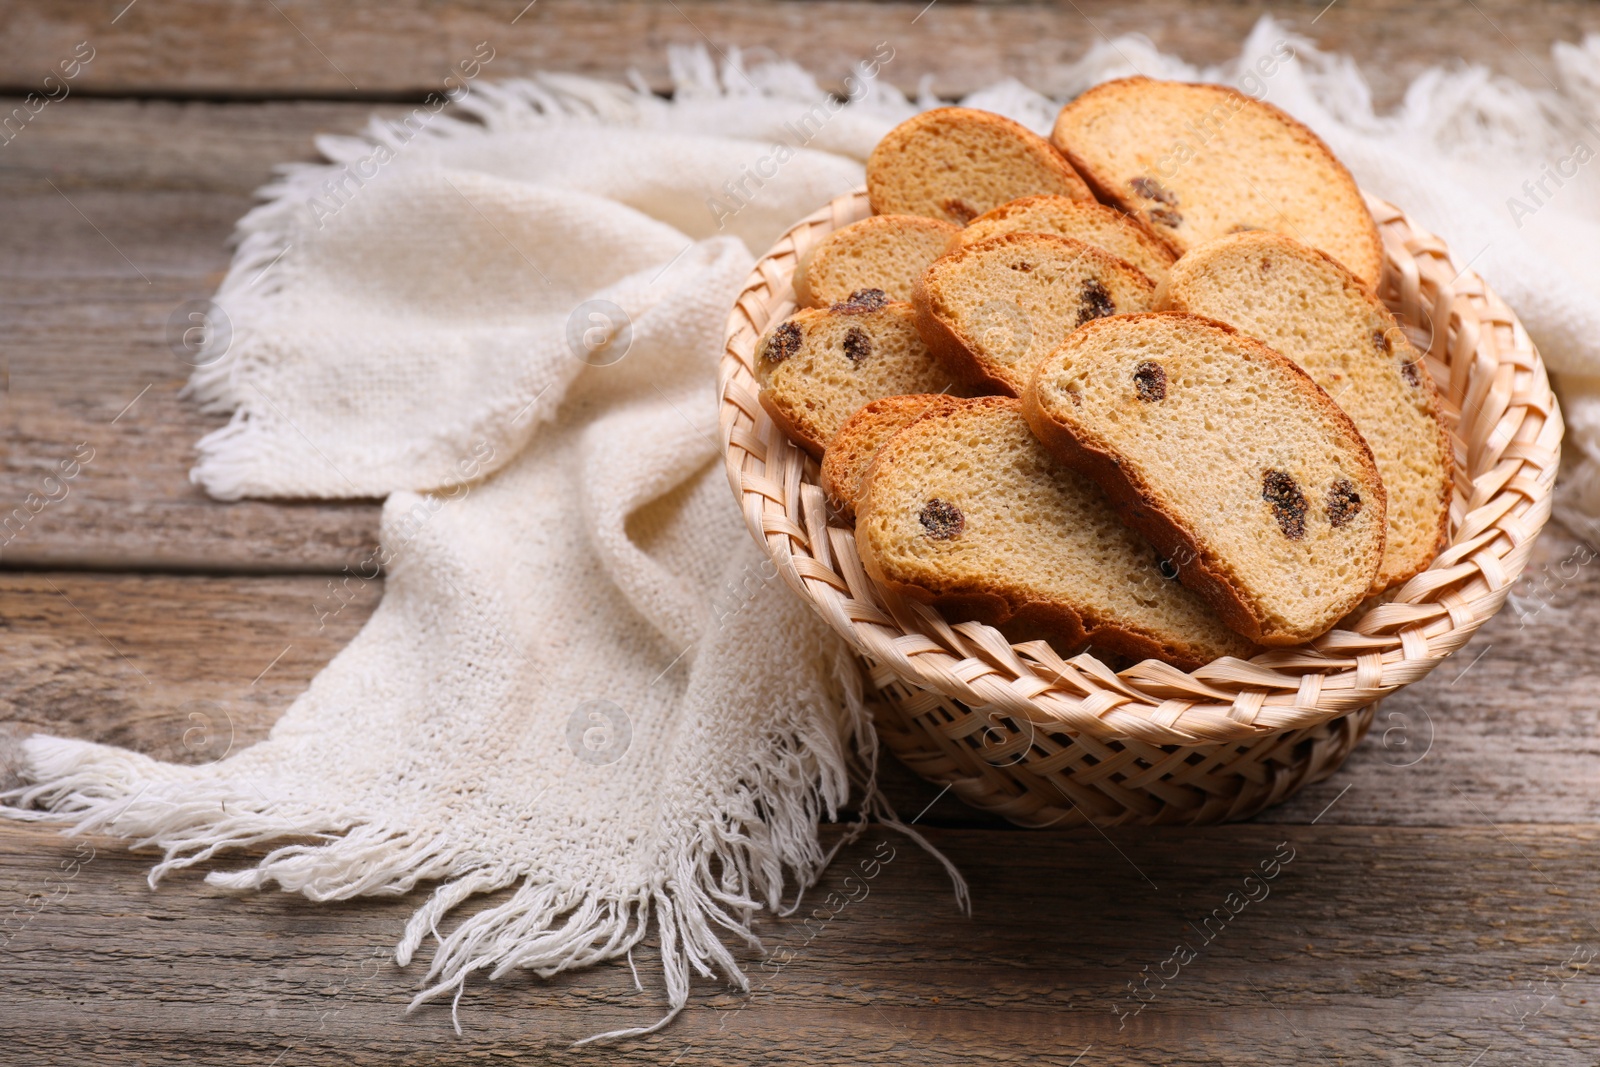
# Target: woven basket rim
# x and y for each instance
(1505, 426)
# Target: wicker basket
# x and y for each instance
(1044, 741)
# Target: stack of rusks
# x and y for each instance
(1127, 389)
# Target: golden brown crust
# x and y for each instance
(850, 453)
(1014, 611)
(1128, 495)
(1167, 299)
(974, 231)
(792, 429)
(1021, 618)
(1436, 409)
(816, 265)
(1109, 189)
(952, 350)
(1099, 183)
(1446, 489)
(1137, 503)
(953, 347)
(886, 189)
(820, 365)
(1447, 493)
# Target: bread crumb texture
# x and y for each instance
(1197, 162)
(992, 310)
(853, 448)
(1268, 482)
(955, 163)
(1313, 311)
(1096, 224)
(821, 365)
(885, 252)
(965, 507)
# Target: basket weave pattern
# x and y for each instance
(1043, 740)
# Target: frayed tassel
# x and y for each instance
(766, 828)
(733, 866)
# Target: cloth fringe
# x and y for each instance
(737, 865)
(768, 831)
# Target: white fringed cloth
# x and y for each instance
(582, 690)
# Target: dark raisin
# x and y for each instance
(959, 210)
(1023, 265)
(1410, 369)
(1266, 263)
(784, 342)
(1344, 503)
(942, 520)
(1170, 219)
(1288, 503)
(1168, 569)
(1150, 381)
(1151, 189)
(862, 300)
(857, 345)
(1095, 302)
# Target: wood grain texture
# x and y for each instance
(299, 48)
(1439, 908)
(116, 214)
(1369, 946)
(182, 669)
(130, 659)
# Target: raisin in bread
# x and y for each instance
(852, 449)
(1310, 309)
(1201, 161)
(819, 366)
(965, 510)
(992, 310)
(1122, 235)
(887, 252)
(955, 163)
(1228, 458)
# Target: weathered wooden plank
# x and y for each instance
(223, 47)
(180, 668)
(1394, 945)
(1508, 725)
(164, 145)
(1507, 729)
(176, 667)
(1399, 943)
(136, 227)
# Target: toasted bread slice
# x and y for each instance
(965, 510)
(955, 163)
(819, 366)
(1201, 161)
(1228, 458)
(1122, 235)
(887, 252)
(1306, 306)
(992, 310)
(844, 465)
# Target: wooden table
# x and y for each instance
(1439, 906)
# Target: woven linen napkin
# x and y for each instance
(583, 687)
